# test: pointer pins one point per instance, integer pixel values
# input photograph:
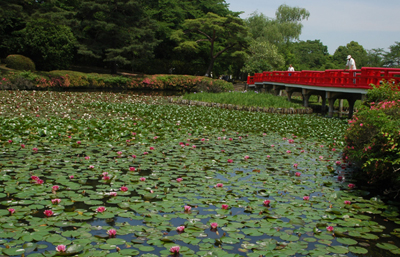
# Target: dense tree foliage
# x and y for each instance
(270, 38)
(221, 34)
(169, 36)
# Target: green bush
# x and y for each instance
(19, 62)
(373, 137)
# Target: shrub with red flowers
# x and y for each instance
(373, 137)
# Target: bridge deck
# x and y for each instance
(329, 84)
(361, 78)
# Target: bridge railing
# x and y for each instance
(361, 78)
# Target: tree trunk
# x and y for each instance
(210, 67)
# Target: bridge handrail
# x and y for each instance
(361, 78)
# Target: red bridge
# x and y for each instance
(351, 85)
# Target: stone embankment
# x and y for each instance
(242, 108)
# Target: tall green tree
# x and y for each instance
(50, 46)
(14, 14)
(309, 55)
(219, 34)
(118, 32)
(354, 49)
(375, 57)
(272, 37)
(392, 58)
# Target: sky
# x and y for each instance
(371, 23)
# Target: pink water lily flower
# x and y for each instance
(329, 228)
(214, 225)
(268, 156)
(180, 228)
(71, 176)
(35, 149)
(302, 151)
(111, 232)
(123, 189)
(351, 186)
(151, 148)
(142, 179)
(55, 188)
(11, 210)
(113, 194)
(34, 177)
(298, 174)
(87, 157)
(39, 181)
(340, 178)
(133, 156)
(22, 146)
(230, 160)
(101, 209)
(104, 173)
(187, 208)
(225, 206)
(193, 146)
(48, 213)
(295, 165)
(106, 178)
(55, 201)
(219, 185)
(266, 202)
(288, 151)
(246, 157)
(179, 179)
(78, 142)
(145, 153)
(321, 157)
(132, 168)
(9, 141)
(306, 198)
(347, 202)
(175, 249)
(338, 162)
(61, 248)
(203, 139)
(91, 167)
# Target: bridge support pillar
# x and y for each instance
(351, 101)
(331, 96)
(276, 89)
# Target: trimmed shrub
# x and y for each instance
(373, 138)
(19, 62)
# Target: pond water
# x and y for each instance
(138, 172)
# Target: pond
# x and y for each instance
(241, 184)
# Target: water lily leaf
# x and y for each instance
(387, 246)
(338, 249)
(346, 241)
(13, 251)
(358, 250)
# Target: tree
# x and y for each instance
(392, 58)
(220, 34)
(262, 56)
(271, 38)
(354, 49)
(309, 55)
(375, 57)
(117, 32)
(50, 46)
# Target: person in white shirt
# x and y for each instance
(351, 63)
(291, 68)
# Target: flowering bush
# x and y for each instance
(62, 79)
(374, 135)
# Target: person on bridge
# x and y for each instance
(351, 63)
(290, 68)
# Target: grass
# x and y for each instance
(248, 98)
